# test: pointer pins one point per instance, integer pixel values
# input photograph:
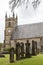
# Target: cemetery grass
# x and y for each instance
(35, 60)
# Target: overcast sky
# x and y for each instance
(25, 16)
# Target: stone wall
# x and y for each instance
(13, 43)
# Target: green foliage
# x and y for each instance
(35, 60)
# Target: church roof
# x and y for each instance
(28, 31)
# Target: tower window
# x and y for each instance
(9, 24)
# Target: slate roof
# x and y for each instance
(28, 31)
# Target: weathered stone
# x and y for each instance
(18, 51)
(34, 47)
(28, 55)
(22, 50)
(1, 55)
(12, 55)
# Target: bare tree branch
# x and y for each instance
(36, 3)
(10, 2)
(17, 3)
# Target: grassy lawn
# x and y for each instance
(35, 60)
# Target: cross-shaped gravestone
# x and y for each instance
(22, 50)
(36, 47)
(28, 55)
(17, 51)
(12, 55)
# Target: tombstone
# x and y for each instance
(22, 50)
(28, 55)
(33, 48)
(36, 47)
(12, 55)
(17, 51)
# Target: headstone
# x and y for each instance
(22, 50)
(28, 55)
(1, 55)
(36, 47)
(12, 55)
(33, 47)
(17, 51)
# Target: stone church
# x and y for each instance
(20, 33)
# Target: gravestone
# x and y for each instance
(17, 51)
(33, 48)
(36, 47)
(12, 55)
(28, 55)
(1, 55)
(22, 50)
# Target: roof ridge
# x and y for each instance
(31, 24)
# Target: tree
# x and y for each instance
(15, 3)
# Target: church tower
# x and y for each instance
(10, 25)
